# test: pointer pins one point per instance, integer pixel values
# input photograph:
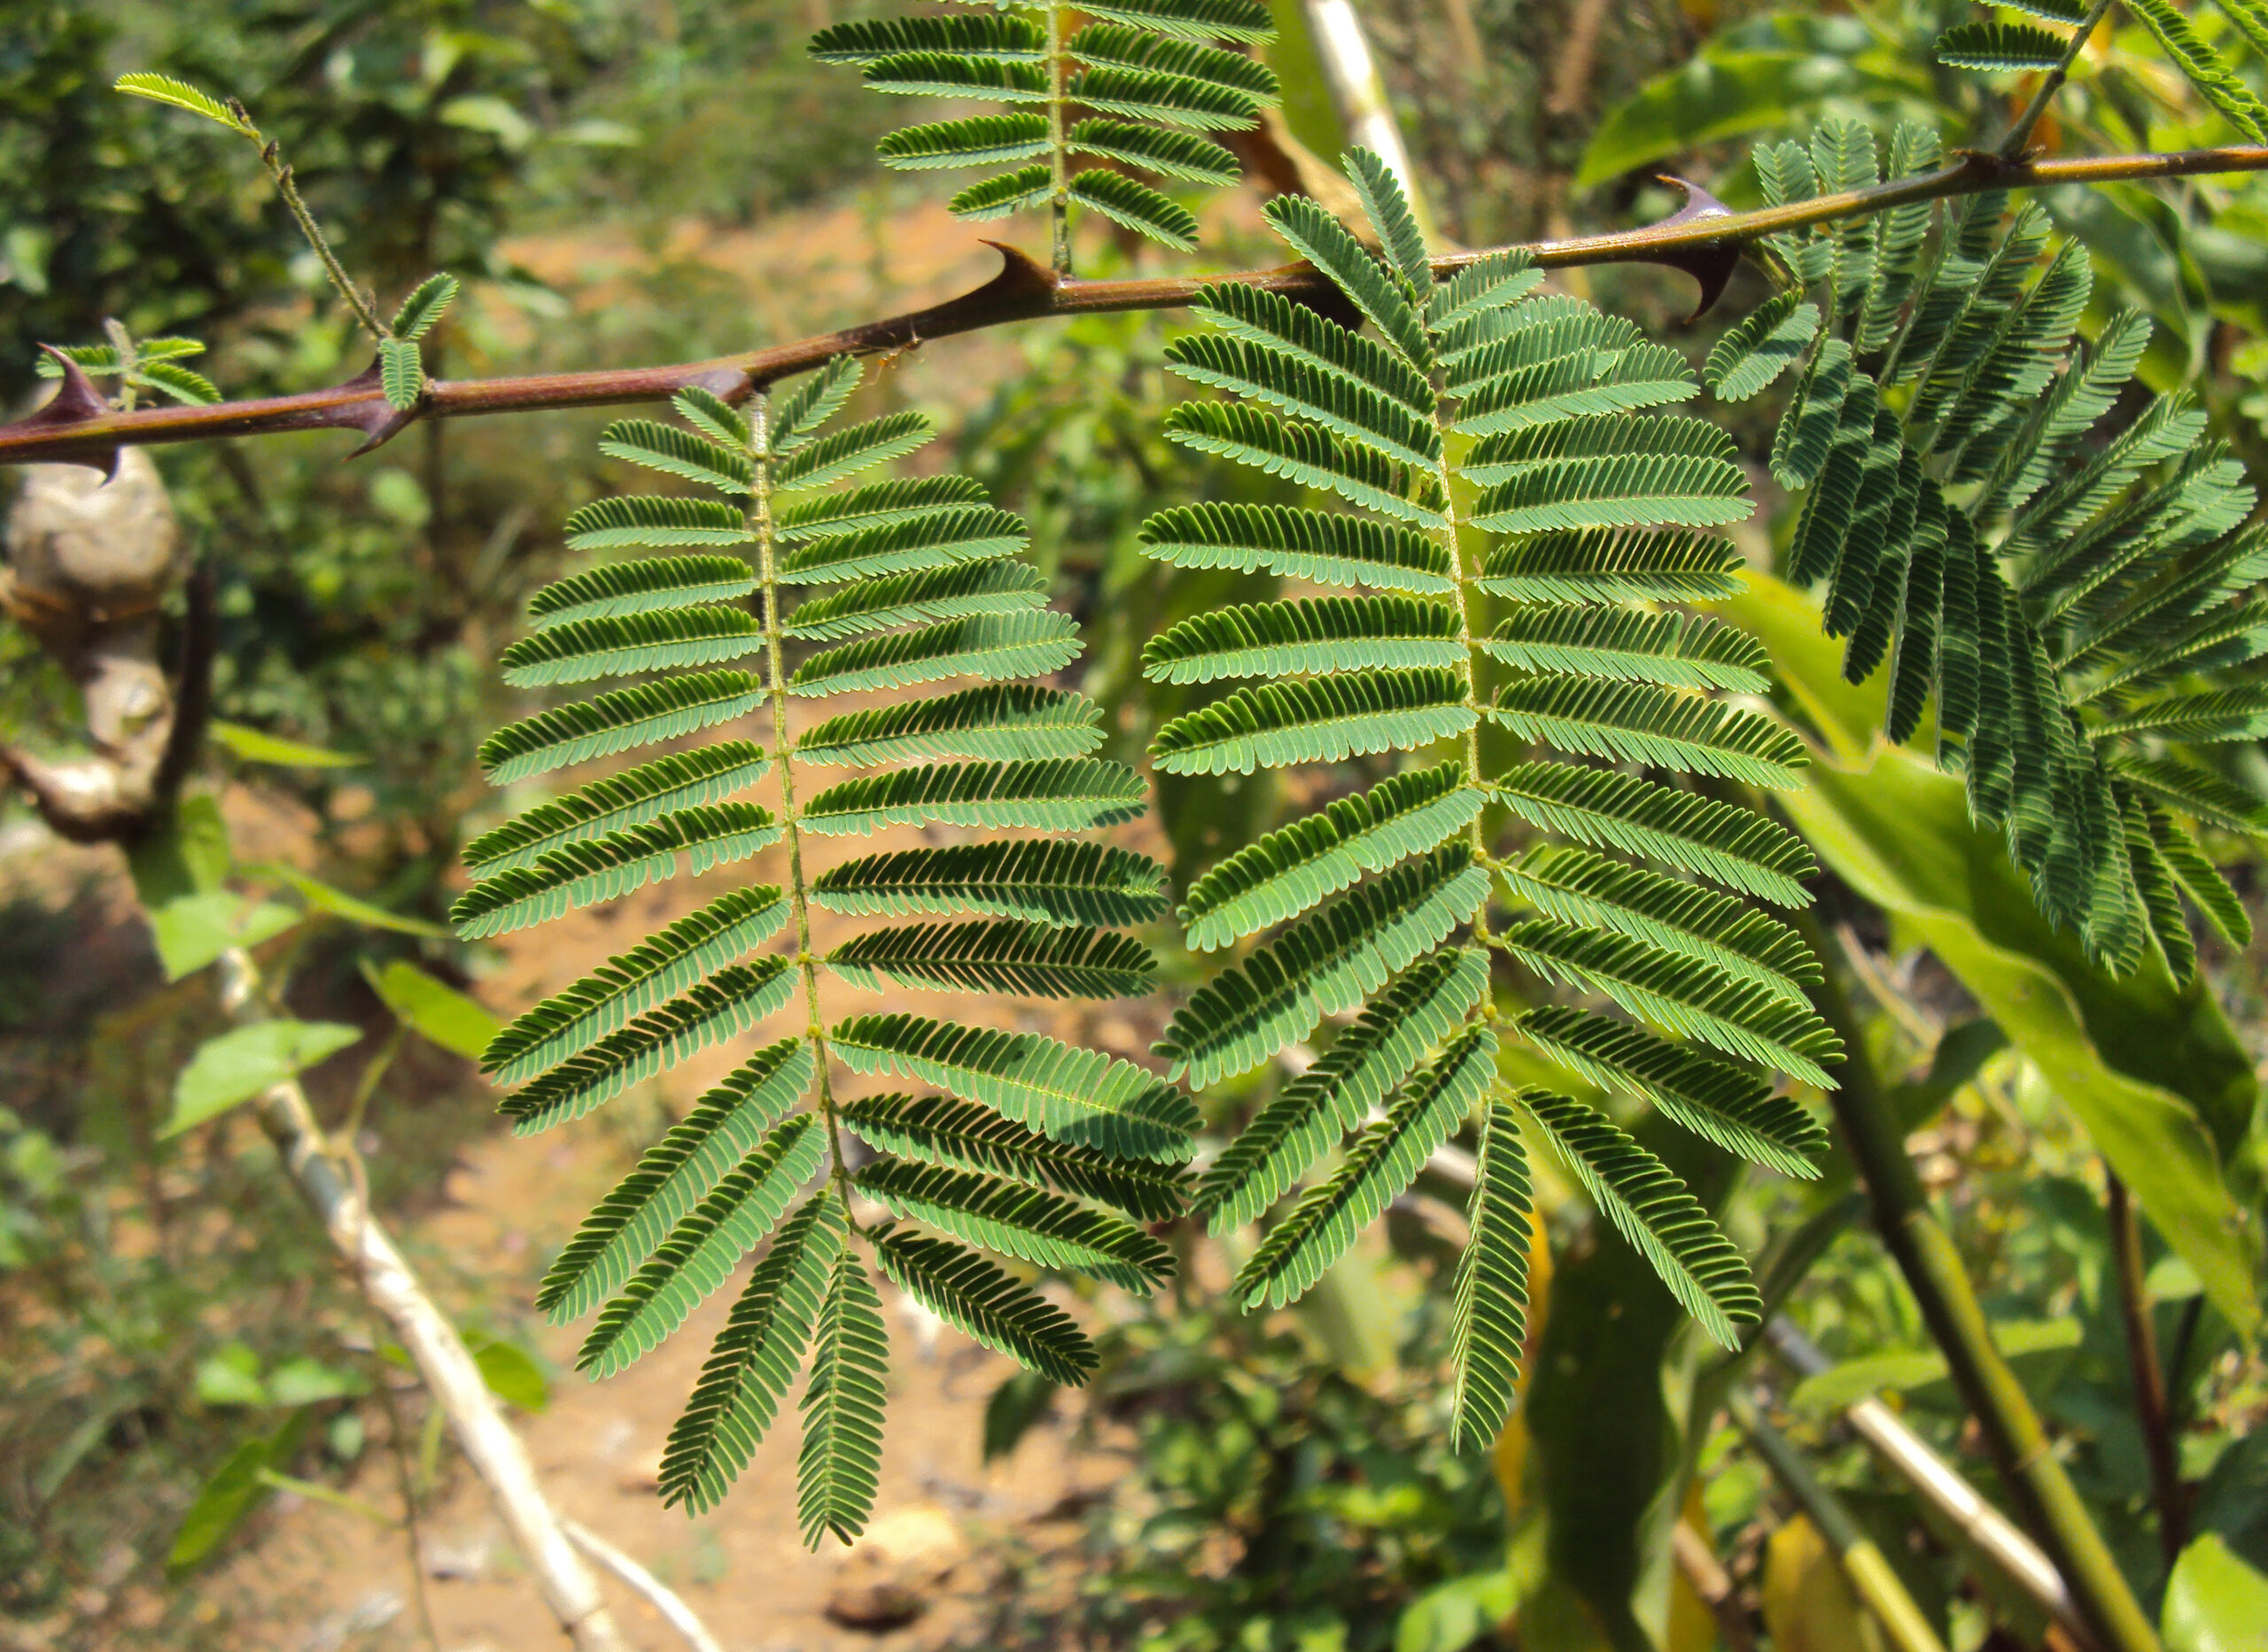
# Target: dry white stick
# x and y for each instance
(657, 1594)
(1358, 93)
(452, 1377)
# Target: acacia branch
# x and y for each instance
(1705, 240)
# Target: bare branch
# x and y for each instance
(1704, 240)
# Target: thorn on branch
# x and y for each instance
(1711, 267)
(76, 401)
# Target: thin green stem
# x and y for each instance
(2046, 1503)
(2019, 133)
(1863, 1563)
(783, 753)
(1465, 628)
(272, 157)
(1059, 159)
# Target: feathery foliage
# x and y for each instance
(2072, 600)
(1139, 84)
(856, 597)
(1998, 47)
(1539, 607)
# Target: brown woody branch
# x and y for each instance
(1705, 240)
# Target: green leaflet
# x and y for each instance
(1028, 1223)
(702, 1248)
(609, 523)
(730, 1001)
(640, 588)
(1331, 635)
(576, 650)
(1710, 839)
(839, 1467)
(1078, 1097)
(1288, 871)
(1759, 349)
(828, 459)
(1679, 650)
(684, 780)
(1070, 794)
(1305, 453)
(1011, 721)
(1736, 1016)
(2215, 82)
(1311, 1112)
(1490, 1313)
(753, 1360)
(949, 593)
(1277, 724)
(997, 647)
(1182, 156)
(1137, 205)
(608, 867)
(631, 982)
(975, 1297)
(1651, 1207)
(1641, 723)
(878, 505)
(1380, 1162)
(674, 1175)
(1383, 301)
(1600, 565)
(1315, 545)
(679, 452)
(2001, 48)
(1330, 961)
(1003, 955)
(937, 1129)
(1730, 1106)
(1040, 880)
(615, 721)
(1579, 888)
(914, 543)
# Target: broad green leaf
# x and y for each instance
(2214, 1603)
(254, 746)
(191, 930)
(510, 1373)
(246, 1061)
(230, 1376)
(188, 856)
(233, 1491)
(321, 898)
(2153, 1072)
(2036, 1348)
(442, 1014)
(1722, 94)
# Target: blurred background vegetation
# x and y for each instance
(626, 180)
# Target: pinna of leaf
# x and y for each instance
(1149, 80)
(908, 594)
(1540, 605)
(2075, 604)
